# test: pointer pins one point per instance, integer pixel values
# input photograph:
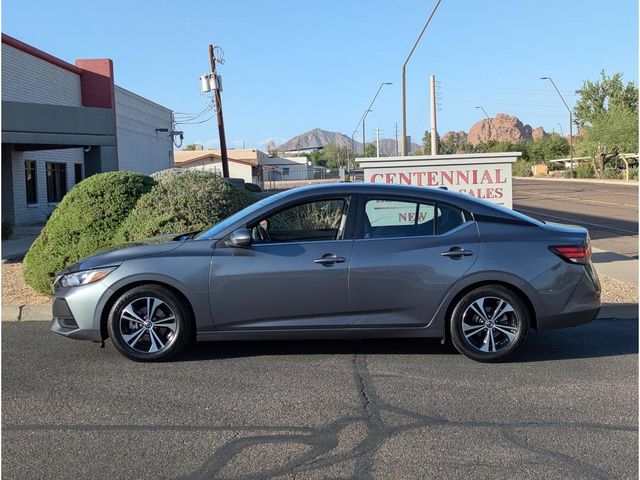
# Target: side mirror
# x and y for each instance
(240, 238)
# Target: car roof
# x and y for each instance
(461, 200)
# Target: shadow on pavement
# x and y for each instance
(600, 338)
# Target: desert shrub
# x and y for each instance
(7, 229)
(522, 168)
(633, 173)
(84, 222)
(613, 173)
(584, 170)
(167, 174)
(193, 200)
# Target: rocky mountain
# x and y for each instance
(502, 128)
(318, 138)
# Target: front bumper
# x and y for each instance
(77, 311)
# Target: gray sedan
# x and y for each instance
(338, 261)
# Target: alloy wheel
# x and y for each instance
(148, 325)
(490, 324)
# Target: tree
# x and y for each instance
(192, 146)
(370, 150)
(612, 132)
(597, 97)
(331, 156)
(547, 148)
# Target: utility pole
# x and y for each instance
(404, 83)
(397, 146)
(434, 130)
(218, 100)
(377, 142)
(364, 141)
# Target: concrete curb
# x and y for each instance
(622, 311)
(630, 183)
(26, 313)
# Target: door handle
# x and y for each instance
(329, 259)
(457, 253)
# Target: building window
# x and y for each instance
(77, 168)
(56, 181)
(285, 170)
(31, 183)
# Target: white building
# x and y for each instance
(63, 122)
(211, 161)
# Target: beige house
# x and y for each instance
(241, 163)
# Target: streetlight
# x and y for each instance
(364, 149)
(570, 124)
(490, 122)
(404, 85)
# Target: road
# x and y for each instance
(610, 212)
(566, 407)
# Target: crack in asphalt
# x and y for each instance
(322, 443)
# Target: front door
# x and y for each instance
(294, 275)
(409, 254)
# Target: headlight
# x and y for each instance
(85, 277)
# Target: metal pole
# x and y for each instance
(364, 144)
(377, 142)
(404, 85)
(570, 124)
(434, 131)
(223, 141)
(397, 146)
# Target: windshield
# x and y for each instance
(218, 227)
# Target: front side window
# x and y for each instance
(56, 181)
(31, 181)
(310, 221)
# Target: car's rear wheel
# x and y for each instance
(149, 323)
(489, 324)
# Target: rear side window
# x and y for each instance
(385, 218)
(397, 218)
(448, 218)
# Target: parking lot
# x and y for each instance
(566, 407)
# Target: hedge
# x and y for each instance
(85, 222)
(182, 202)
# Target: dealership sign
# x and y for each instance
(485, 176)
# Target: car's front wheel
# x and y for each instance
(489, 323)
(149, 323)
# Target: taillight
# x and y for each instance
(573, 253)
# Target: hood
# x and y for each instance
(113, 256)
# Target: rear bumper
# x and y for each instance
(567, 319)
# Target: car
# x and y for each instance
(342, 260)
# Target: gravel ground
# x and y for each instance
(16, 292)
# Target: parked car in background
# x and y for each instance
(339, 260)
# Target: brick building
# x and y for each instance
(63, 122)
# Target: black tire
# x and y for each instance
(173, 336)
(489, 334)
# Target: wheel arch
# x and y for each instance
(522, 295)
(113, 297)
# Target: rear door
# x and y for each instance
(407, 254)
(294, 275)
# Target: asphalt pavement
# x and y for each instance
(566, 407)
(608, 211)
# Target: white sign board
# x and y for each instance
(481, 175)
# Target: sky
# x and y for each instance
(294, 65)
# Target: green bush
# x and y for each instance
(522, 168)
(613, 173)
(584, 170)
(168, 174)
(7, 229)
(633, 173)
(84, 222)
(182, 202)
